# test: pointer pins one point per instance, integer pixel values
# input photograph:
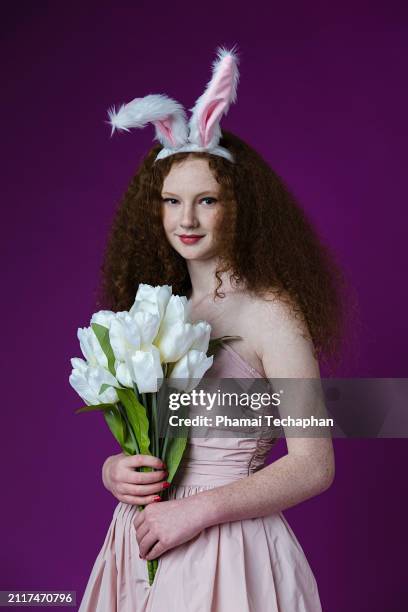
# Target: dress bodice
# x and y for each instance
(217, 461)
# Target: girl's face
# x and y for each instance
(191, 208)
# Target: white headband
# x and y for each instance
(202, 132)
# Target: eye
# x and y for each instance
(208, 200)
(170, 200)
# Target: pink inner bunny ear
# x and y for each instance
(165, 128)
(210, 119)
(220, 92)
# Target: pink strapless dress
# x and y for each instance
(253, 565)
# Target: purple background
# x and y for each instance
(323, 96)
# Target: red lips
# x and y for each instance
(190, 238)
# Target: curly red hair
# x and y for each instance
(265, 241)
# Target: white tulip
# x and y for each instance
(145, 369)
(87, 381)
(202, 332)
(103, 317)
(129, 336)
(90, 347)
(123, 374)
(176, 334)
(189, 370)
(148, 324)
(124, 335)
(151, 299)
(174, 341)
(176, 310)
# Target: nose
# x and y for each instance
(188, 219)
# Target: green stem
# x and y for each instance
(145, 403)
(132, 435)
(155, 425)
(165, 444)
(136, 391)
(151, 564)
(151, 570)
(161, 442)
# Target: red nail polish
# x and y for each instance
(157, 498)
(166, 485)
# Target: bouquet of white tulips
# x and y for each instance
(127, 357)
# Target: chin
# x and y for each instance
(192, 252)
(188, 253)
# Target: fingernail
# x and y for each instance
(165, 485)
(157, 498)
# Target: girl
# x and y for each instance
(229, 236)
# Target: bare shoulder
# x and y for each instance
(272, 309)
(280, 336)
(269, 312)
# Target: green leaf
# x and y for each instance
(102, 333)
(114, 421)
(174, 447)
(174, 453)
(128, 444)
(119, 430)
(136, 414)
(215, 343)
(95, 408)
(129, 434)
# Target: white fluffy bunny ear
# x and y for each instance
(220, 92)
(167, 115)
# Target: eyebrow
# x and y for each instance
(197, 196)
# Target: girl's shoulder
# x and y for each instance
(270, 315)
(268, 308)
(256, 317)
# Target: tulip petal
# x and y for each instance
(189, 370)
(175, 340)
(202, 332)
(103, 317)
(90, 347)
(147, 370)
(151, 299)
(123, 375)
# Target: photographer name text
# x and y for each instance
(258, 421)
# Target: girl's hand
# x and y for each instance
(160, 527)
(129, 486)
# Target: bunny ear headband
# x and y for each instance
(202, 132)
